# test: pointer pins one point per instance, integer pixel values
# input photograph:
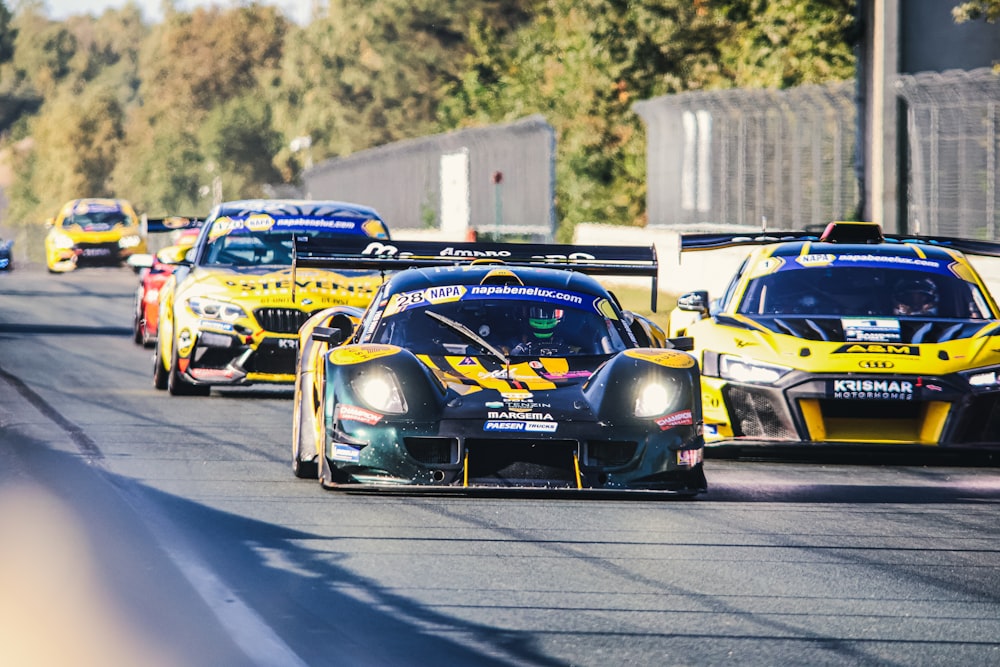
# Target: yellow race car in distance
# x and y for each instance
(847, 338)
(92, 231)
(230, 312)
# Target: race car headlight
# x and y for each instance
(983, 378)
(381, 391)
(62, 241)
(130, 241)
(738, 369)
(653, 399)
(210, 309)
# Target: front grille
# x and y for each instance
(601, 453)
(870, 409)
(521, 463)
(272, 359)
(281, 320)
(755, 416)
(432, 450)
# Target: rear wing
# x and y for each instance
(171, 223)
(710, 241)
(383, 255)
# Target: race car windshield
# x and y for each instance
(96, 220)
(513, 327)
(273, 247)
(847, 291)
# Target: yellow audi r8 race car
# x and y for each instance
(488, 366)
(92, 231)
(849, 337)
(230, 312)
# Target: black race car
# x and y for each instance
(493, 365)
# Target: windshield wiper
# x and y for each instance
(470, 334)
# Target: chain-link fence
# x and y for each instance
(953, 151)
(748, 156)
(498, 179)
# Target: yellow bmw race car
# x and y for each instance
(230, 312)
(849, 337)
(92, 231)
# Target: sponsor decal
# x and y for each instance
(504, 426)
(880, 390)
(878, 348)
(520, 427)
(541, 427)
(767, 266)
(669, 358)
(525, 405)
(374, 228)
(345, 453)
(468, 361)
(690, 457)
(356, 414)
(568, 375)
(356, 354)
(817, 259)
(259, 222)
(860, 329)
(288, 344)
(516, 395)
(882, 260)
(494, 405)
(681, 418)
(520, 415)
(215, 325)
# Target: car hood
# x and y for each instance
(278, 287)
(834, 344)
(549, 387)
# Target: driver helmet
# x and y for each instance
(543, 321)
(916, 296)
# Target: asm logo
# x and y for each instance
(876, 364)
(878, 348)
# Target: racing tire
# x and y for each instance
(159, 372)
(178, 386)
(137, 336)
(302, 422)
(302, 469)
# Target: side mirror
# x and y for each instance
(694, 301)
(341, 328)
(328, 335)
(683, 343)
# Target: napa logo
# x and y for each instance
(444, 294)
(817, 259)
(259, 222)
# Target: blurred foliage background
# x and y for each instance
(157, 113)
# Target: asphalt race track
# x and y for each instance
(143, 529)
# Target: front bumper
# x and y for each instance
(841, 409)
(218, 358)
(460, 454)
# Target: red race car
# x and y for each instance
(153, 272)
